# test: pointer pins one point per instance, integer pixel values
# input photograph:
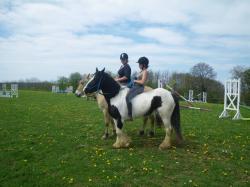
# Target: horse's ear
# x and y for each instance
(88, 76)
(103, 70)
(96, 69)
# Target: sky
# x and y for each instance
(51, 38)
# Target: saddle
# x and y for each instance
(147, 88)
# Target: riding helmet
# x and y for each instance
(143, 60)
(124, 56)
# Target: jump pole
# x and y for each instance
(191, 106)
(189, 103)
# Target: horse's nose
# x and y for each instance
(77, 95)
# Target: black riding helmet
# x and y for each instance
(143, 60)
(124, 56)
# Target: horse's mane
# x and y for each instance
(110, 85)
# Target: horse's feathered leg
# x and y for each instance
(122, 140)
(107, 121)
(113, 126)
(166, 143)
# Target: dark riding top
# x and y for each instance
(124, 70)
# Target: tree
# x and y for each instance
(237, 72)
(244, 74)
(203, 72)
(182, 82)
(63, 82)
(74, 79)
(246, 86)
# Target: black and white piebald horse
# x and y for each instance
(158, 100)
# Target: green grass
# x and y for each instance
(55, 140)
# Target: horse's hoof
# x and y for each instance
(116, 146)
(164, 146)
(105, 136)
(141, 133)
(151, 134)
(127, 144)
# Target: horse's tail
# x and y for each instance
(175, 119)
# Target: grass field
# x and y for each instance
(55, 140)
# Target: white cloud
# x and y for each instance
(65, 36)
(222, 17)
(163, 36)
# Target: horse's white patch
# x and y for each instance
(88, 83)
(77, 92)
(142, 102)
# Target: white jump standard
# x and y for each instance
(13, 92)
(204, 97)
(190, 95)
(232, 94)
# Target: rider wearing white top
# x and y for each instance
(138, 86)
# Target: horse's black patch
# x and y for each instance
(175, 118)
(155, 103)
(114, 113)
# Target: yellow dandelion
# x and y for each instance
(224, 173)
(205, 170)
(90, 180)
(205, 152)
(71, 180)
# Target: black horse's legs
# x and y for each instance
(142, 131)
(152, 121)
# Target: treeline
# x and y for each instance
(201, 78)
(36, 86)
(183, 82)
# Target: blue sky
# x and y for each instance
(50, 38)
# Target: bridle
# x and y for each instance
(98, 85)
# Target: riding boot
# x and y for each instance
(130, 111)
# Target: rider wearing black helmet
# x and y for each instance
(139, 83)
(124, 72)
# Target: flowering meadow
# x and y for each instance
(55, 140)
